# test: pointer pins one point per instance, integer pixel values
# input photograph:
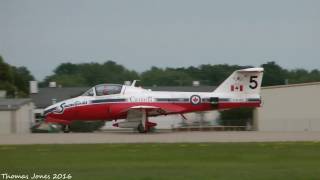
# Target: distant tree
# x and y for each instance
(274, 74)
(66, 80)
(206, 74)
(216, 74)
(21, 79)
(15, 80)
(5, 71)
(9, 88)
(314, 75)
(302, 76)
(90, 74)
(67, 68)
(6, 78)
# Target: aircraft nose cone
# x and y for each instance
(46, 115)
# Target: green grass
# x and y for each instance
(199, 161)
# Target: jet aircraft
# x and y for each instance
(135, 104)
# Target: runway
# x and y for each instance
(159, 137)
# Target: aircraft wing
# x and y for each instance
(136, 115)
(156, 110)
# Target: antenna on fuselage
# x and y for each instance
(134, 83)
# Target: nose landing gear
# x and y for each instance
(65, 128)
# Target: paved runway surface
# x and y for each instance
(159, 137)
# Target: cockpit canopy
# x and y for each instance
(108, 89)
(103, 90)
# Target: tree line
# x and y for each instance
(90, 74)
(15, 80)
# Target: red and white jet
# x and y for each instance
(135, 105)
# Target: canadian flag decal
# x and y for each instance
(237, 87)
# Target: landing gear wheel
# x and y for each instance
(141, 129)
(65, 128)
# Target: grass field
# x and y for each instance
(199, 161)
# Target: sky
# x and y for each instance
(41, 34)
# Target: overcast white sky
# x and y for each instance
(41, 34)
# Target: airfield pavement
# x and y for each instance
(158, 137)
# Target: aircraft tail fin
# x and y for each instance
(242, 82)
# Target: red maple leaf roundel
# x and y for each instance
(195, 99)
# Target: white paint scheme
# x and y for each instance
(138, 94)
(244, 79)
(240, 87)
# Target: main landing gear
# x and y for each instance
(149, 128)
(141, 129)
(145, 125)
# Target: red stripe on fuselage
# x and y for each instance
(229, 105)
(106, 111)
(110, 111)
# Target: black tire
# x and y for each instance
(141, 129)
(65, 128)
